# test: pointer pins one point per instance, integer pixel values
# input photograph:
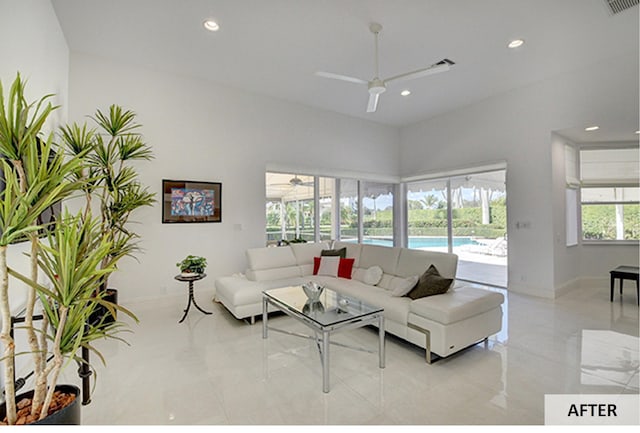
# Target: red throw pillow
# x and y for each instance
(316, 265)
(345, 268)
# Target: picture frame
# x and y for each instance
(191, 201)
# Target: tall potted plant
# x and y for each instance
(32, 182)
(110, 179)
(75, 258)
(34, 176)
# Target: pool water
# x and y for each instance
(424, 242)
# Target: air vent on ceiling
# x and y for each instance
(617, 6)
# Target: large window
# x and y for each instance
(327, 208)
(611, 213)
(610, 197)
(349, 210)
(377, 213)
(427, 215)
(290, 207)
(317, 208)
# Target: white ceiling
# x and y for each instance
(273, 47)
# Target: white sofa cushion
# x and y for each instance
(415, 262)
(371, 276)
(395, 309)
(270, 257)
(240, 291)
(275, 273)
(353, 251)
(304, 253)
(376, 255)
(455, 305)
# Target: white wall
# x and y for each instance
(202, 131)
(517, 127)
(32, 43)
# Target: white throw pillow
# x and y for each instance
(372, 275)
(402, 286)
(329, 266)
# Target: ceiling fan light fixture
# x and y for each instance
(295, 180)
(211, 25)
(376, 86)
(516, 43)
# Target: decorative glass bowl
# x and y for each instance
(312, 290)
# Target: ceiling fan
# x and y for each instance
(294, 181)
(377, 85)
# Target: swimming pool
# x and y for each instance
(422, 242)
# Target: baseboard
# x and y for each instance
(582, 283)
(538, 292)
(568, 287)
(166, 300)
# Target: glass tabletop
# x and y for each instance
(330, 309)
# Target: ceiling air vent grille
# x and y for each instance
(617, 6)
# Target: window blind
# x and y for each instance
(571, 166)
(609, 166)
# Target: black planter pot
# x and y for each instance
(100, 311)
(70, 415)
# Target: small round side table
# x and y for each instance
(190, 280)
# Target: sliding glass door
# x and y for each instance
(465, 215)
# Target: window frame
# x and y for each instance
(590, 184)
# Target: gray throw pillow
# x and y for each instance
(430, 283)
(342, 253)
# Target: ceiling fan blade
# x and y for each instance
(373, 102)
(341, 77)
(436, 68)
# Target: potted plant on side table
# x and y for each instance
(192, 266)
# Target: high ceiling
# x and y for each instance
(274, 47)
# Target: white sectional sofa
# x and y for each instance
(442, 324)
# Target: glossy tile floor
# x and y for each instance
(218, 370)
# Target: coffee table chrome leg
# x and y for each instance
(325, 361)
(381, 353)
(265, 304)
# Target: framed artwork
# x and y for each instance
(189, 201)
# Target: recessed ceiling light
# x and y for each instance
(211, 25)
(516, 43)
(592, 128)
(405, 92)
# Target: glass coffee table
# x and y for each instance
(331, 313)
